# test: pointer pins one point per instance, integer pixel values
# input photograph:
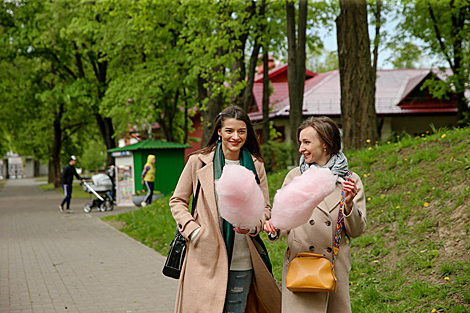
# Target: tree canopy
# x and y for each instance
(74, 72)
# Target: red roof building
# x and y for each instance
(402, 104)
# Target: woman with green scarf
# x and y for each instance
(226, 269)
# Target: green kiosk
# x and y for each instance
(130, 161)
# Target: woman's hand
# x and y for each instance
(269, 227)
(241, 230)
(350, 191)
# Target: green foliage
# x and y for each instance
(275, 181)
(408, 55)
(322, 61)
(442, 28)
(412, 255)
(93, 158)
(278, 155)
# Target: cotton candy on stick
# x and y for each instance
(293, 204)
(240, 199)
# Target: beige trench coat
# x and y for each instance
(317, 236)
(203, 281)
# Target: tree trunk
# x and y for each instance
(201, 96)
(56, 147)
(186, 118)
(214, 103)
(462, 107)
(105, 125)
(37, 166)
(296, 65)
(265, 95)
(248, 93)
(239, 70)
(458, 48)
(214, 106)
(243, 97)
(357, 78)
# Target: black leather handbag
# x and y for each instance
(175, 258)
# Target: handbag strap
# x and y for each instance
(195, 197)
(340, 224)
(193, 207)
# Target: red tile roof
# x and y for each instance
(322, 94)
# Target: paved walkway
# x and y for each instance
(56, 262)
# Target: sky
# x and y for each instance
(329, 42)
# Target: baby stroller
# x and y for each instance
(101, 189)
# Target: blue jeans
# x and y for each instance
(237, 291)
(68, 196)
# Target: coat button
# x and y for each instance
(180, 226)
(312, 222)
(328, 223)
(329, 250)
(311, 248)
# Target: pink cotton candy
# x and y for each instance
(240, 199)
(293, 204)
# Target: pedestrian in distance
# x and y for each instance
(111, 172)
(226, 268)
(148, 178)
(68, 172)
(320, 144)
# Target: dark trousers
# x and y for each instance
(68, 196)
(148, 197)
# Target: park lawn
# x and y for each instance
(414, 254)
(77, 191)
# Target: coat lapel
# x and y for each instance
(206, 176)
(332, 200)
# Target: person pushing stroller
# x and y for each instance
(68, 173)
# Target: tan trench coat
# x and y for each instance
(203, 281)
(317, 236)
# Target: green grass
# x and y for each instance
(152, 225)
(77, 191)
(414, 254)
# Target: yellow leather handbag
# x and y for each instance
(310, 272)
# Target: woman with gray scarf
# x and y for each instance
(320, 144)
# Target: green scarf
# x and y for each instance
(228, 232)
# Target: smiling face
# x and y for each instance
(233, 133)
(312, 148)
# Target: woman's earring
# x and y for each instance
(324, 149)
(220, 138)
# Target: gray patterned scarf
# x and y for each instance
(338, 164)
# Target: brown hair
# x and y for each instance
(237, 113)
(326, 129)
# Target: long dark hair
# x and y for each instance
(237, 113)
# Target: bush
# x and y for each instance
(278, 155)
